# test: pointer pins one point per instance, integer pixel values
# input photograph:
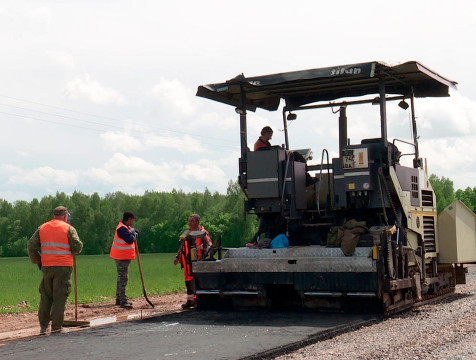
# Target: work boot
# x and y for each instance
(59, 331)
(126, 304)
(118, 300)
(45, 329)
(190, 304)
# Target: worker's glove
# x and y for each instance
(135, 233)
(39, 265)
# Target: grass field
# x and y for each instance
(20, 279)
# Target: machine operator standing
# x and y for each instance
(184, 256)
(52, 247)
(123, 251)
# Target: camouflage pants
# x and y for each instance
(122, 278)
(55, 288)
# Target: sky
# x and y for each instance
(99, 96)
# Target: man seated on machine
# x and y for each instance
(263, 141)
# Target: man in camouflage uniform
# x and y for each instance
(52, 247)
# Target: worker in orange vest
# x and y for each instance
(123, 251)
(184, 256)
(52, 247)
(263, 140)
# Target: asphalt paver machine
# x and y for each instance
(396, 260)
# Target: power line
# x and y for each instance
(99, 130)
(93, 115)
(58, 107)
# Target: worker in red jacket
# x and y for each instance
(123, 251)
(189, 243)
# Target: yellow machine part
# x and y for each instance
(457, 234)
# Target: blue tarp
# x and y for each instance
(280, 241)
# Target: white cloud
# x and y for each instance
(146, 141)
(39, 15)
(27, 16)
(449, 155)
(206, 171)
(131, 173)
(40, 177)
(218, 121)
(123, 171)
(185, 144)
(62, 58)
(442, 118)
(12, 195)
(452, 159)
(82, 87)
(121, 141)
(174, 97)
(22, 153)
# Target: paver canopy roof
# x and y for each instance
(326, 84)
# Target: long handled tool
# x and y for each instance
(71, 323)
(142, 276)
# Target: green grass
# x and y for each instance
(20, 279)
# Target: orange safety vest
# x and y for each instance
(55, 248)
(261, 144)
(198, 242)
(120, 250)
(185, 258)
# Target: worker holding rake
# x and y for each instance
(52, 247)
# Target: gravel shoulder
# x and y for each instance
(445, 329)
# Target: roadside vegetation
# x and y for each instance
(161, 219)
(20, 279)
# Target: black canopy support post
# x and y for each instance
(342, 128)
(383, 118)
(416, 162)
(383, 113)
(243, 137)
(285, 124)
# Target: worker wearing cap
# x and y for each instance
(123, 251)
(184, 256)
(52, 247)
(263, 140)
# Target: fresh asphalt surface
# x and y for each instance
(194, 334)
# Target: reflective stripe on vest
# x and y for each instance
(120, 249)
(55, 248)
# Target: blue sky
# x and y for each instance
(99, 96)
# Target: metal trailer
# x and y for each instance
(395, 263)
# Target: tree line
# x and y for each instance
(162, 217)
(445, 193)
